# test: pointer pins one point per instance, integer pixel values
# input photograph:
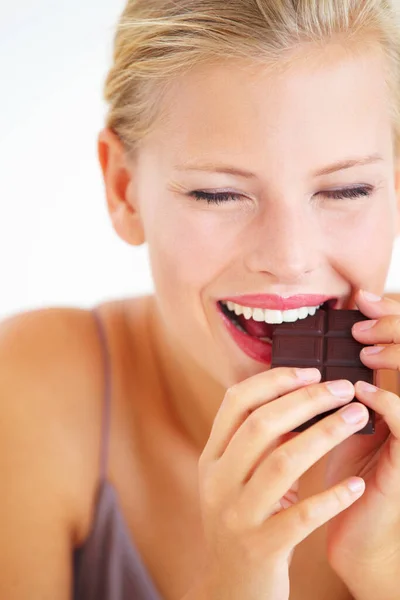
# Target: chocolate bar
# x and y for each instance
(324, 341)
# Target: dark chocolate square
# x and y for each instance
(324, 341)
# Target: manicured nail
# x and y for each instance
(308, 374)
(353, 413)
(356, 485)
(341, 388)
(364, 325)
(371, 297)
(367, 387)
(368, 350)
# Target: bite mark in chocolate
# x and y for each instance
(324, 341)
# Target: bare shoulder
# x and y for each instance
(49, 363)
(51, 385)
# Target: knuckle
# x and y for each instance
(340, 495)
(287, 372)
(284, 374)
(307, 513)
(331, 426)
(281, 462)
(310, 393)
(232, 394)
(259, 425)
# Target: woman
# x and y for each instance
(146, 446)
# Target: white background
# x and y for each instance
(57, 245)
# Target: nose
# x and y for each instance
(286, 244)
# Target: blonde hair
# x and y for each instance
(156, 41)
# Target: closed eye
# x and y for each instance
(215, 198)
(349, 193)
(342, 194)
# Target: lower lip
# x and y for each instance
(253, 347)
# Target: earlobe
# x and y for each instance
(118, 181)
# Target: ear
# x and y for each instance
(120, 189)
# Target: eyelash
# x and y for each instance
(221, 198)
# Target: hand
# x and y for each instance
(248, 480)
(364, 541)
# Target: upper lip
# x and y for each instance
(274, 302)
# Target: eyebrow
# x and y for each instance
(221, 168)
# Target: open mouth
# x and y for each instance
(262, 329)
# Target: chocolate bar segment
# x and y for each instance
(324, 341)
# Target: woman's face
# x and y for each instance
(287, 228)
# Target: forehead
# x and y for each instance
(334, 100)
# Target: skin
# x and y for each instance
(282, 235)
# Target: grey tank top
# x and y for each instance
(108, 565)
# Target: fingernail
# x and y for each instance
(367, 387)
(353, 413)
(356, 484)
(371, 297)
(364, 325)
(308, 374)
(372, 349)
(340, 388)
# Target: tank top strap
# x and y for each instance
(106, 404)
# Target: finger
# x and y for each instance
(296, 523)
(262, 430)
(275, 474)
(381, 357)
(385, 330)
(378, 307)
(383, 402)
(241, 399)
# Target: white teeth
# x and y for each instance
(291, 315)
(272, 317)
(258, 315)
(248, 313)
(303, 312)
(238, 309)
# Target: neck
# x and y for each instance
(191, 396)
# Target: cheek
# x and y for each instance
(188, 252)
(362, 245)
(191, 247)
